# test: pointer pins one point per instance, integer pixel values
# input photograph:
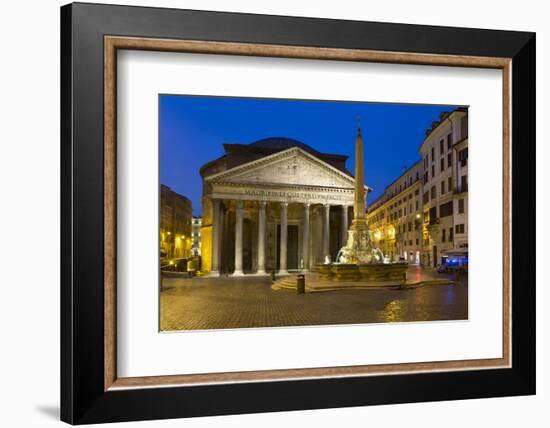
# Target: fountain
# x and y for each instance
(358, 260)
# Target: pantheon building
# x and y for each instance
(274, 205)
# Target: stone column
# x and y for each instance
(284, 232)
(215, 268)
(239, 239)
(326, 233)
(305, 238)
(261, 238)
(344, 230)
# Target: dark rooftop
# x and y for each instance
(237, 154)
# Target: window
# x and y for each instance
(461, 206)
(446, 209)
(425, 177)
(433, 171)
(433, 215)
(450, 234)
(410, 195)
(464, 126)
(443, 235)
(416, 205)
(416, 192)
(449, 159)
(433, 193)
(409, 226)
(433, 154)
(405, 210)
(400, 213)
(463, 157)
(426, 197)
(416, 241)
(416, 225)
(464, 183)
(459, 228)
(450, 183)
(440, 147)
(443, 187)
(449, 141)
(442, 164)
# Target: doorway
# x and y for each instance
(291, 247)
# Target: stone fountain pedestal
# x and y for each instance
(358, 249)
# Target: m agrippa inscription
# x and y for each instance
(299, 196)
(313, 196)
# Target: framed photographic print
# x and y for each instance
(266, 213)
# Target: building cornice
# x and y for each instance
(417, 183)
(429, 137)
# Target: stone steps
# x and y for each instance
(286, 283)
(319, 285)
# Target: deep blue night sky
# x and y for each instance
(193, 129)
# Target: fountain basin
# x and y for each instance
(324, 271)
(372, 272)
(344, 272)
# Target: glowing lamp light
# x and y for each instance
(417, 215)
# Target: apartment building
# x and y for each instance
(422, 217)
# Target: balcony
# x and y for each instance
(461, 189)
(433, 222)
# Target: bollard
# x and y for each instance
(301, 284)
(273, 275)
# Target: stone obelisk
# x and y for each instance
(359, 219)
(358, 248)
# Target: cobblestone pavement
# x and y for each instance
(222, 303)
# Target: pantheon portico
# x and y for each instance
(276, 204)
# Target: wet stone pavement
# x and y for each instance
(224, 303)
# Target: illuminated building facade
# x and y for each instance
(196, 236)
(422, 217)
(395, 219)
(175, 224)
(444, 155)
(273, 205)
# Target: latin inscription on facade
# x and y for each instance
(296, 195)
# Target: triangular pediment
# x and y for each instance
(293, 166)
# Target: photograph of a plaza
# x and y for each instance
(281, 212)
